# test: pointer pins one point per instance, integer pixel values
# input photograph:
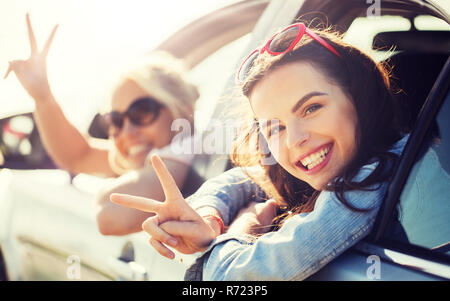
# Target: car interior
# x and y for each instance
(415, 68)
(423, 205)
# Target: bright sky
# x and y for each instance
(94, 39)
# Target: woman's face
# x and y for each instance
(312, 133)
(132, 141)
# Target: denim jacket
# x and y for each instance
(304, 244)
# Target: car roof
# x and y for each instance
(204, 36)
(347, 10)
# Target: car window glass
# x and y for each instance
(423, 213)
(211, 76)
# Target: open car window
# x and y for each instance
(423, 213)
(415, 48)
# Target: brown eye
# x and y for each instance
(312, 109)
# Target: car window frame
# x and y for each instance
(378, 242)
(427, 115)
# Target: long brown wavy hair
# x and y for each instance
(366, 83)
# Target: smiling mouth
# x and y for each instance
(315, 159)
(138, 149)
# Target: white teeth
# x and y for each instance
(306, 161)
(316, 156)
(314, 159)
(136, 149)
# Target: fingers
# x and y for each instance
(270, 208)
(161, 249)
(16, 66)
(266, 212)
(151, 226)
(31, 36)
(271, 203)
(180, 228)
(169, 185)
(136, 202)
(194, 235)
(8, 71)
(159, 237)
(49, 41)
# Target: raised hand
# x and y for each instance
(175, 223)
(32, 72)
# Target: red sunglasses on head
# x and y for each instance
(282, 42)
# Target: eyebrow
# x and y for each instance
(305, 99)
(297, 105)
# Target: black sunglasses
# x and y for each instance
(143, 111)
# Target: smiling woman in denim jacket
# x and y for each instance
(325, 111)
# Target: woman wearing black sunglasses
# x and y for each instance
(145, 102)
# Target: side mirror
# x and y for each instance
(15, 132)
(20, 144)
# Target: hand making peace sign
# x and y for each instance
(32, 73)
(175, 223)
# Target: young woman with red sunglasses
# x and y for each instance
(326, 112)
(143, 105)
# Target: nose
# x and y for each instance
(128, 128)
(296, 134)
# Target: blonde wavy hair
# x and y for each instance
(163, 77)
